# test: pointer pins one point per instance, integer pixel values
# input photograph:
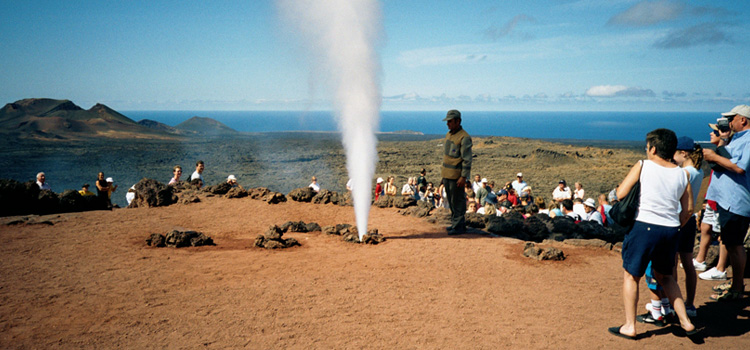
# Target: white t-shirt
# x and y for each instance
(558, 194)
(407, 189)
(661, 189)
(315, 187)
(197, 175)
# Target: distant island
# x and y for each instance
(44, 118)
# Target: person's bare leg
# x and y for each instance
(691, 278)
(705, 242)
(722, 264)
(672, 289)
(738, 258)
(630, 301)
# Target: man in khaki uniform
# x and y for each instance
(456, 169)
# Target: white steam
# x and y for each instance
(342, 36)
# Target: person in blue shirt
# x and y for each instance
(730, 188)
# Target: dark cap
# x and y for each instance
(452, 114)
(685, 143)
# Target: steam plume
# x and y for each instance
(342, 35)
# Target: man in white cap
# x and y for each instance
(730, 188)
(591, 213)
(519, 184)
(232, 181)
(456, 169)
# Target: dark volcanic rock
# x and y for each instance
(152, 193)
(302, 194)
(48, 202)
(236, 192)
(220, 189)
(272, 239)
(72, 201)
(550, 253)
(17, 198)
(536, 228)
(179, 239)
(476, 220)
(404, 201)
(384, 202)
(323, 197)
(565, 226)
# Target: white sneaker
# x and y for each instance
(699, 266)
(713, 275)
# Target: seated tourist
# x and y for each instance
(314, 185)
(85, 191)
(176, 172)
(591, 213)
(567, 210)
(561, 192)
(539, 201)
(489, 205)
(471, 207)
(232, 181)
(579, 208)
(40, 178)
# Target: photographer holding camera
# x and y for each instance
(730, 188)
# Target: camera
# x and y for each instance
(722, 124)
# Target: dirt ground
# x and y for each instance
(88, 280)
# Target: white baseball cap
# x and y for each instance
(109, 179)
(379, 180)
(743, 110)
(519, 175)
(231, 177)
(484, 180)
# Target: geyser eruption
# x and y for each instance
(342, 35)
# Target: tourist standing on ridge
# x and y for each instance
(198, 174)
(456, 169)
(40, 178)
(314, 184)
(730, 188)
(177, 171)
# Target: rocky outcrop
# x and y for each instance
(302, 194)
(179, 239)
(549, 253)
(152, 193)
(272, 239)
(18, 198)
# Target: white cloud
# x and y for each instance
(618, 91)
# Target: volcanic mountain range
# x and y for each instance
(44, 118)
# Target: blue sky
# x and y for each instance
(580, 55)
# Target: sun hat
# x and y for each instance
(231, 177)
(484, 180)
(743, 110)
(379, 180)
(452, 114)
(685, 143)
(590, 203)
(109, 179)
(519, 175)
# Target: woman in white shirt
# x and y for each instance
(665, 204)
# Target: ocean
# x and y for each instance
(612, 126)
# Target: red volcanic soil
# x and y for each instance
(88, 280)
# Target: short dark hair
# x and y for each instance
(665, 141)
(201, 162)
(567, 204)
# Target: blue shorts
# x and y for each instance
(649, 243)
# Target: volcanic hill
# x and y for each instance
(44, 118)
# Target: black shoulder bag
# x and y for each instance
(623, 212)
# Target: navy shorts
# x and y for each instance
(647, 242)
(687, 236)
(733, 227)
